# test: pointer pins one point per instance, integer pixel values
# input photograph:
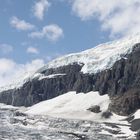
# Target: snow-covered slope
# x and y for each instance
(71, 105)
(98, 58)
(74, 106)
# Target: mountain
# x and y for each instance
(112, 68)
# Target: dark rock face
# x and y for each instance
(36, 90)
(125, 104)
(121, 83)
(123, 77)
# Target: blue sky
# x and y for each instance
(32, 32)
(77, 35)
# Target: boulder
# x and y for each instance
(106, 114)
(94, 109)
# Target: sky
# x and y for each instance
(33, 32)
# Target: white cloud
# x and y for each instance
(37, 34)
(21, 24)
(32, 50)
(40, 7)
(118, 16)
(5, 48)
(52, 32)
(10, 71)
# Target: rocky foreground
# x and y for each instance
(16, 125)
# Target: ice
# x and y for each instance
(98, 58)
(42, 123)
(72, 106)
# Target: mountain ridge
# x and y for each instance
(116, 80)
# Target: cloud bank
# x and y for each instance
(117, 16)
(10, 71)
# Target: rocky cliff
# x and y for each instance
(121, 82)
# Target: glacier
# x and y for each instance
(66, 117)
(98, 58)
